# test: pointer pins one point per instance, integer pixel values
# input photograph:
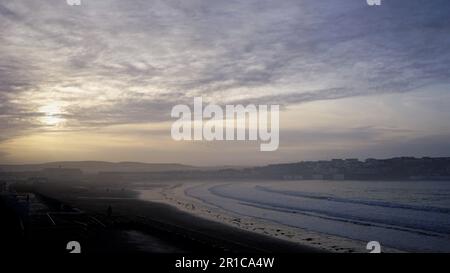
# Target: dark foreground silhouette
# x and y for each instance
(45, 218)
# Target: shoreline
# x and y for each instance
(175, 195)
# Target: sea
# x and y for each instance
(405, 215)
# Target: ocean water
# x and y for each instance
(407, 215)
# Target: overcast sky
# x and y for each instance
(98, 81)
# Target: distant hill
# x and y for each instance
(100, 166)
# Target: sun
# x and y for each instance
(52, 114)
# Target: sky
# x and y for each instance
(98, 81)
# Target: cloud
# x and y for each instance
(3, 155)
(119, 62)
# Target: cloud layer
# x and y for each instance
(118, 62)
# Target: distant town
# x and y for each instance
(399, 168)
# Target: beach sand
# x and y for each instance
(184, 231)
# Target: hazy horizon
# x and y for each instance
(206, 166)
(98, 81)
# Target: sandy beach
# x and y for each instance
(181, 230)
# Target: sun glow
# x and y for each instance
(51, 114)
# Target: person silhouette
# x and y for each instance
(109, 212)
